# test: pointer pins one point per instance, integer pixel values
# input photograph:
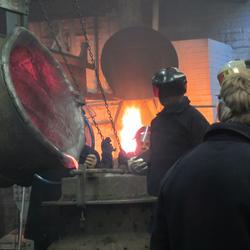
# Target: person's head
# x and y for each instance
(169, 85)
(142, 138)
(234, 104)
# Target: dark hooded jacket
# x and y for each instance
(204, 201)
(46, 224)
(175, 131)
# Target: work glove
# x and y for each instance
(90, 161)
(137, 166)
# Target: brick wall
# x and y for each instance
(226, 21)
(219, 54)
(193, 61)
(201, 59)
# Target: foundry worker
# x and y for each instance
(107, 150)
(177, 129)
(46, 224)
(204, 199)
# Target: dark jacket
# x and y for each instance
(46, 224)
(204, 203)
(174, 132)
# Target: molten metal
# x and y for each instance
(43, 95)
(70, 162)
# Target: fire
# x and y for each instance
(131, 122)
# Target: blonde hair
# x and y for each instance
(235, 95)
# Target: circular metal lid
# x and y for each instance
(131, 56)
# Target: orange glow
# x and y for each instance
(70, 162)
(131, 122)
(195, 62)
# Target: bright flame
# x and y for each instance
(131, 122)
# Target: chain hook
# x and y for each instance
(93, 62)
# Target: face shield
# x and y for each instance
(156, 91)
(142, 138)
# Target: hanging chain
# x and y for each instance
(95, 123)
(51, 28)
(44, 11)
(93, 62)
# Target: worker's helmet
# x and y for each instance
(233, 67)
(169, 81)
